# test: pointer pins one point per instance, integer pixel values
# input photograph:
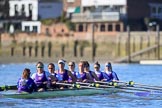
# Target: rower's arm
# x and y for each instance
(89, 78)
(115, 77)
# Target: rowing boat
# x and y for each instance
(59, 93)
(83, 89)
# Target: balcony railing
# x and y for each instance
(96, 17)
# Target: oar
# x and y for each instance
(145, 90)
(131, 83)
(97, 85)
(139, 91)
(112, 83)
(77, 86)
(6, 87)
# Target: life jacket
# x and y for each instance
(76, 74)
(62, 77)
(92, 75)
(40, 79)
(100, 75)
(52, 77)
(112, 75)
(25, 85)
(83, 76)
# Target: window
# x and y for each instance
(80, 28)
(30, 6)
(23, 7)
(35, 29)
(117, 27)
(160, 10)
(30, 11)
(102, 28)
(23, 10)
(110, 27)
(27, 29)
(153, 9)
(16, 10)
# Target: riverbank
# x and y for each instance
(107, 48)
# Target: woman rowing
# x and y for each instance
(84, 77)
(25, 83)
(40, 77)
(110, 74)
(98, 72)
(52, 76)
(71, 65)
(91, 73)
(62, 74)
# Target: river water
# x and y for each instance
(143, 74)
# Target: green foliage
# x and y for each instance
(70, 25)
(63, 18)
(47, 21)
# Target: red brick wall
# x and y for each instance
(55, 29)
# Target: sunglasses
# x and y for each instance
(70, 65)
(50, 68)
(40, 67)
(96, 67)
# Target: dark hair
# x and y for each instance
(51, 64)
(109, 65)
(86, 64)
(72, 62)
(97, 64)
(26, 73)
(40, 63)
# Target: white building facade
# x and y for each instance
(27, 9)
(101, 10)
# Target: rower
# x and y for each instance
(98, 72)
(81, 72)
(62, 74)
(25, 83)
(87, 70)
(71, 65)
(51, 76)
(110, 74)
(40, 77)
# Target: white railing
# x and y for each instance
(95, 17)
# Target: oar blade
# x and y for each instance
(143, 94)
